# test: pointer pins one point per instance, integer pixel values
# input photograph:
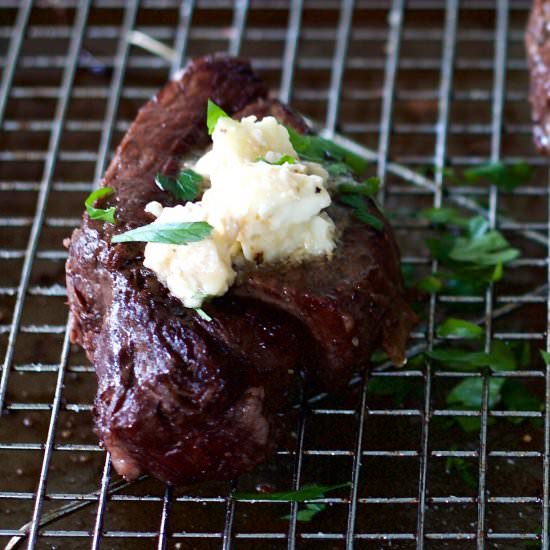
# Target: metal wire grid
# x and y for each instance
(344, 30)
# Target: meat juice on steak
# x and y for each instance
(186, 399)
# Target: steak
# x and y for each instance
(537, 40)
(186, 399)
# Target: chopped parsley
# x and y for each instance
(505, 177)
(430, 284)
(309, 512)
(500, 358)
(361, 210)
(202, 314)
(368, 187)
(476, 252)
(184, 187)
(443, 216)
(506, 392)
(213, 114)
(317, 149)
(103, 214)
(357, 195)
(169, 233)
(459, 328)
(307, 492)
(285, 159)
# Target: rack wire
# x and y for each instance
(413, 84)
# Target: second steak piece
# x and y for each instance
(186, 399)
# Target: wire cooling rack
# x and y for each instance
(415, 85)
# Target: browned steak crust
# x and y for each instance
(537, 40)
(185, 399)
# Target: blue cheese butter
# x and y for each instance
(263, 202)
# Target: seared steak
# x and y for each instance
(185, 399)
(537, 41)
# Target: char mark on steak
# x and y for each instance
(185, 399)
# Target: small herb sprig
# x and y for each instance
(357, 196)
(468, 248)
(184, 187)
(102, 214)
(506, 177)
(169, 233)
(285, 159)
(467, 394)
(307, 492)
(317, 149)
(213, 114)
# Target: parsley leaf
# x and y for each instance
(309, 512)
(338, 169)
(443, 216)
(468, 393)
(317, 149)
(459, 328)
(429, 284)
(478, 253)
(284, 159)
(510, 393)
(369, 187)
(307, 492)
(184, 187)
(169, 233)
(361, 210)
(202, 314)
(213, 114)
(505, 177)
(103, 214)
(500, 358)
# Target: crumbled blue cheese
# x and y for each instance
(260, 211)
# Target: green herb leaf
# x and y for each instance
(477, 255)
(545, 356)
(505, 177)
(338, 169)
(468, 394)
(361, 210)
(429, 284)
(489, 249)
(213, 114)
(103, 214)
(309, 512)
(185, 187)
(441, 216)
(202, 314)
(459, 328)
(170, 233)
(317, 149)
(307, 492)
(500, 358)
(284, 159)
(368, 187)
